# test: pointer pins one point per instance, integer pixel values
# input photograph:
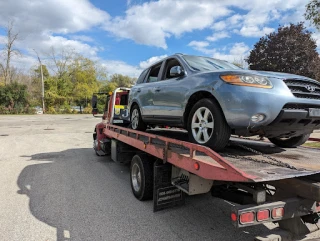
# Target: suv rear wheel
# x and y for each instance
(136, 120)
(207, 125)
(290, 142)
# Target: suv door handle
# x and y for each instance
(157, 89)
(138, 90)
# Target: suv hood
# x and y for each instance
(281, 75)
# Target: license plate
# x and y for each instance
(314, 112)
(117, 121)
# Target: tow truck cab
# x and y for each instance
(115, 109)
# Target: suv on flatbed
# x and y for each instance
(213, 99)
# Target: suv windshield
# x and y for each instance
(206, 63)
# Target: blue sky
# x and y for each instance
(126, 36)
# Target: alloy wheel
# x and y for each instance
(136, 177)
(202, 125)
(135, 119)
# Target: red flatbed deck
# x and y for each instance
(241, 161)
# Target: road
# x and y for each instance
(54, 187)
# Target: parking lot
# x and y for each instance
(54, 187)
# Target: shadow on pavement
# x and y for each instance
(86, 197)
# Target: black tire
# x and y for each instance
(95, 143)
(290, 142)
(140, 126)
(144, 191)
(219, 134)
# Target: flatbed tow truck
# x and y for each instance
(265, 182)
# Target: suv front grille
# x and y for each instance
(295, 106)
(304, 89)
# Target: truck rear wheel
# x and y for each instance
(141, 177)
(290, 142)
(95, 143)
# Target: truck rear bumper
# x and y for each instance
(249, 215)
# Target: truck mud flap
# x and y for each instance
(165, 195)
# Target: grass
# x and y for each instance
(312, 144)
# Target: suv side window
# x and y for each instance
(153, 74)
(142, 76)
(169, 64)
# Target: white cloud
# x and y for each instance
(236, 52)
(63, 43)
(2, 39)
(152, 22)
(217, 36)
(239, 49)
(24, 62)
(82, 38)
(254, 31)
(258, 15)
(120, 67)
(221, 25)
(316, 37)
(145, 64)
(234, 19)
(198, 44)
(58, 16)
(229, 23)
(201, 46)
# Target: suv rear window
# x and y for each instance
(142, 76)
(154, 72)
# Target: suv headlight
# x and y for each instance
(247, 80)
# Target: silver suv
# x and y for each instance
(213, 99)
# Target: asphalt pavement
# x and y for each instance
(54, 187)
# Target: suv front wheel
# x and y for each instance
(207, 125)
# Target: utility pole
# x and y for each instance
(42, 84)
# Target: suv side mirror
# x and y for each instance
(94, 102)
(176, 71)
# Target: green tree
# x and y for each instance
(116, 81)
(291, 49)
(313, 13)
(108, 86)
(44, 70)
(14, 99)
(122, 80)
(83, 76)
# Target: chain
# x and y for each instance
(273, 161)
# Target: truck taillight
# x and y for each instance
(247, 217)
(263, 215)
(234, 217)
(277, 212)
(196, 165)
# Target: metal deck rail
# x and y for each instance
(194, 158)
